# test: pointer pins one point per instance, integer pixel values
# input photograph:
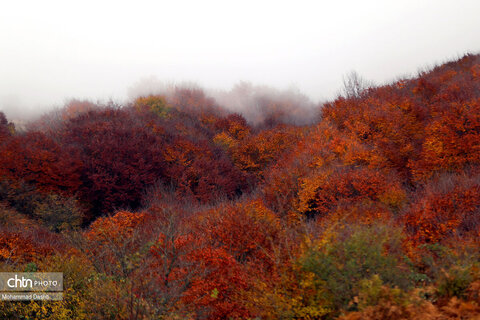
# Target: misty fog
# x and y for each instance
(242, 54)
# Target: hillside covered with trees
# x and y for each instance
(173, 207)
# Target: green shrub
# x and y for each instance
(360, 253)
(454, 283)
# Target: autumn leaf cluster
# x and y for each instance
(173, 207)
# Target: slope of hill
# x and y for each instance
(173, 207)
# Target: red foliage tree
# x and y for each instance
(247, 230)
(121, 157)
(16, 248)
(234, 124)
(326, 190)
(449, 206)
(384, 119)
(255, 153)
(37, 159)
(452, 140)
(202, 173)
(214, 294)
(189, 274)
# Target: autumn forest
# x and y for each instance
(172, 206)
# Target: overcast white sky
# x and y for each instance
(54, 50)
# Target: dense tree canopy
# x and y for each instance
(173, 207)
